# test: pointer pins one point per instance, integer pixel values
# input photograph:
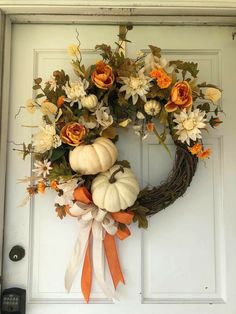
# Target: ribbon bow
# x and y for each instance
(101, 227)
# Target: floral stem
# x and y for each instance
(161, 141)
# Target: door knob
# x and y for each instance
(17, 253)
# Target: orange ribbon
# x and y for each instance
(113, 259)
(81, 194)
(86, 277)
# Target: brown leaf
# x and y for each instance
(110, 132)
(61, 212)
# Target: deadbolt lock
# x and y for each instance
(17, 253)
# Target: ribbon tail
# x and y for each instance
(79, 250)
(98, 259)
(86, 277)
(113, 260)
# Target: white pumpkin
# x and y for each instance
(152, 107)
(115, 189)
(93, 158)
(90, 102)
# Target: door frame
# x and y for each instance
(203, 13)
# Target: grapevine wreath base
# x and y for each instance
(177, 182)
(75, 154)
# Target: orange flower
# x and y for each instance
(204, 154)
(73, 133)
(60, 101)
(195, 149)
(41, 187)
(53, 184)
(103, 76)
(180, 97)
(163, 80)
(150, 126)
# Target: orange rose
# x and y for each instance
(163, 80)
(180, 97)
(73, 133)
(102, 76)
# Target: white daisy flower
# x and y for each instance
(189, 125)
(75, 91)
(42, 168)
(46, 139)
(136, 86)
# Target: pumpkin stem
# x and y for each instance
(112, 178)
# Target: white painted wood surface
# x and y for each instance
(187, 256)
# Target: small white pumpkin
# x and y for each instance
(115, 189)
(93, 158)
(152, 107)
(90, 102)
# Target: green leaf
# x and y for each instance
(57, 153)
(204, 107)
(38, 81)
(35, 87)
(190, 67)
(40, 96)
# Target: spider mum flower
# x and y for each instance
(189, 125)
(136, 86)
(75, 91)
(204, 154)
(46, 139)
(195, 149)
(42, 168)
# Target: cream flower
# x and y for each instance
(189, 125)
(46, 139)
(42, 168)
(53, 84)
(212, 94)
(90, 102)
(152, 107)
(136, 86)
(103, 117)
(153, 62)
(75, 91)
(68, 189)
(48, 108)
(140, 115)
(30, 106)
(73, 50)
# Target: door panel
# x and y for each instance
(187, 254)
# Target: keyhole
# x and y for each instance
(15, 257)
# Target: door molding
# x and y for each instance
(202, 13)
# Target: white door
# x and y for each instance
(185, 262)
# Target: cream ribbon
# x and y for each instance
(96, 221)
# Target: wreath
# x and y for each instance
(75, 154)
